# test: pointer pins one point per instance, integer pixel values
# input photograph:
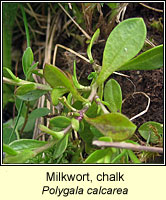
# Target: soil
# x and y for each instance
(149, 82)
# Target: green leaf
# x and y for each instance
(60, 122)
(119, 156)
(56, 93)
(133, 157)
(61, 146)
(85, 133)
(92, 110)
(149, 60)
(124, 42)
(27, 60)
(25, 89)
(114, 125)
(32, 95)
(22, 144)
(7, 137)
(11, 74)
(113, 95)
(92, 75)
(96, 132)
(22, 157)
(39, 112)
(29, 71)
(7, 149)
(56, 78)
(55, 134)
(152, 131)
(94, 38)
(75, 124)
(97, 155)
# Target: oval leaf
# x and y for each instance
(75, 124)
(149, 60)
(61, 146)
(124, 42)
(23, 144)
(113, 95)
(60, 122)
(25, 89)
(27, 60)
(152, 131)
(39, 112)
(114, 125)
(58, 79)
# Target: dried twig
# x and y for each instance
(149, 7)
(86, 35)
(147, 107)
(123, 145)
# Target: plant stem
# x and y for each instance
(122, 145)
(52, 143)
(23, 82)
(45, 147)
(17, 119)
(93, 92)
(98, 101)
(25, 24)
(25, 120)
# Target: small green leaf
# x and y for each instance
(31, 69)
(25, 89)
(133, 157)
(149, 60)
(56, 93)
(55, 134)
(60, 122)
(22, 144)
(39, 112)
(58, 79)
(114, 125)
(7, 149)
(94, 38)
(97, 155)
(61, 146)
(92, 111)
(113, 95)
(38, 72)
(11, 74)
(27, 60)
(151, 130)
(124, 42)
(119, 156)
(75, 124)
(92, 75)
(22, 157)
